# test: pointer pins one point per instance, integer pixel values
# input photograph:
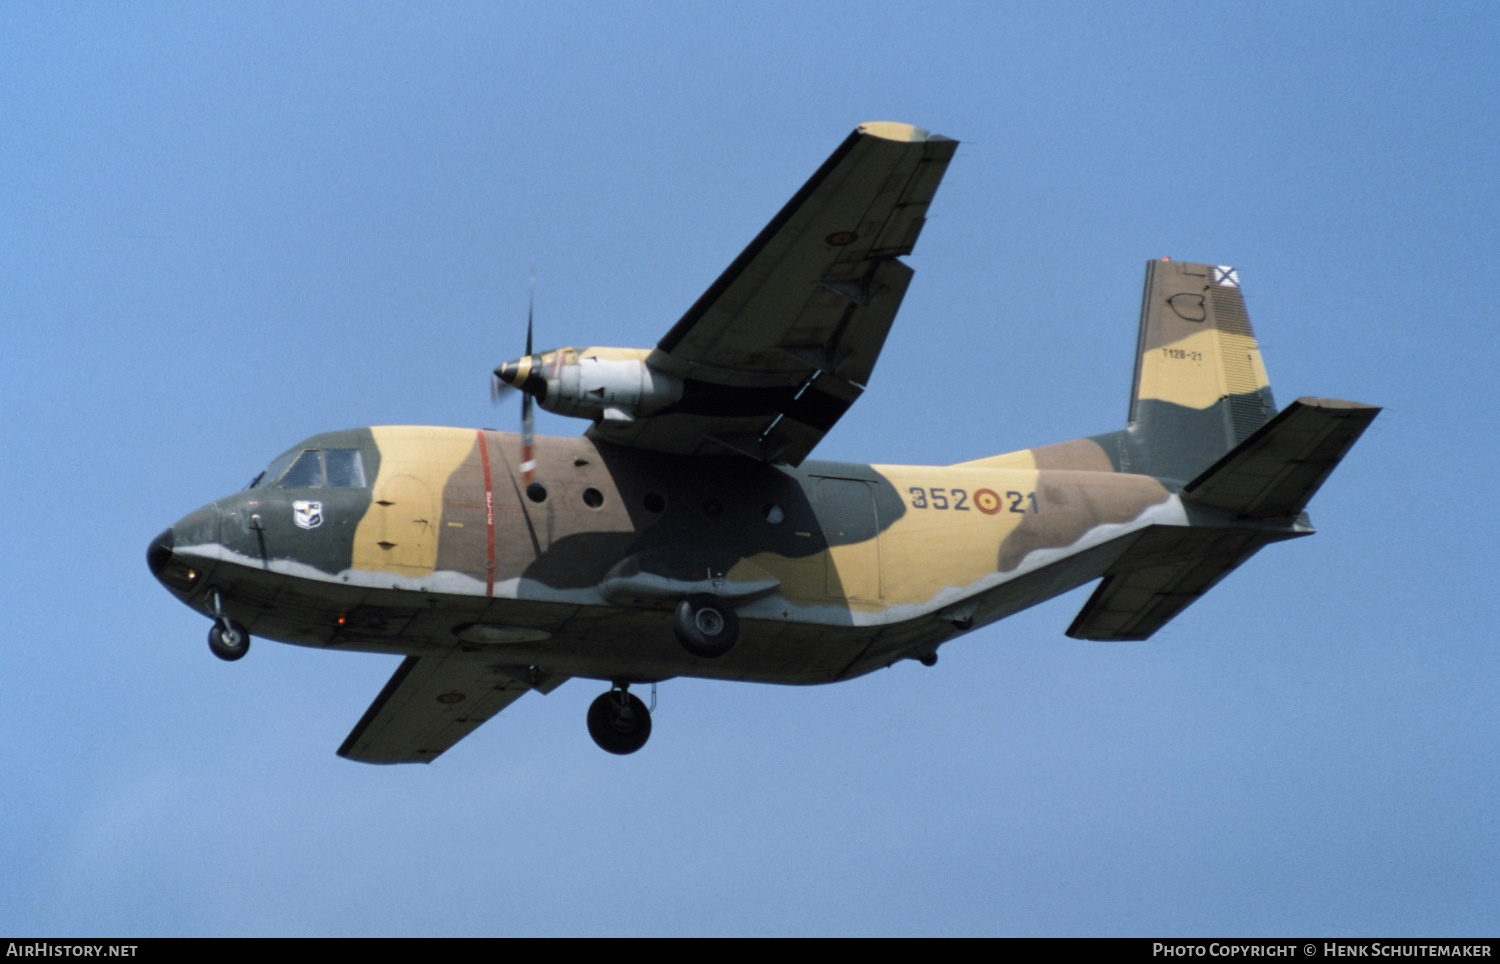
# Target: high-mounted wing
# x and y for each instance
(781, 345)
(432, 702)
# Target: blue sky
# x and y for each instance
(225, 228)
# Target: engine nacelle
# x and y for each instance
(612, 384)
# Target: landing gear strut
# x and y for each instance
(619, 722)
(705, 625)
(228, 639)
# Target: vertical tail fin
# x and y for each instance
(1200, 385)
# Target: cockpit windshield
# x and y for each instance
(315, 469)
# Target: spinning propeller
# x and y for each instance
(525, 375)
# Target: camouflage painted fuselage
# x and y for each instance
(834, 569)
(691, 506)
(438, 546)
(431, 542)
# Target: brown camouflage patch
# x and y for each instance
(1072, 504)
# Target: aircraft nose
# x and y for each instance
(159, 553)
(178, 572)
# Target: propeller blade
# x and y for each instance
(528, 440)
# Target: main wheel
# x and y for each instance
(228, 640)
(619, 722)
(705, 625)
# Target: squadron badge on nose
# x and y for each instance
(307, 515)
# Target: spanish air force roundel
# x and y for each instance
(307, 515)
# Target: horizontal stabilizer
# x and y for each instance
(1267, 478)
(1160, 575)
(1273, 473)
(432, 702)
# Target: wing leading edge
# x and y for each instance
(779, 347)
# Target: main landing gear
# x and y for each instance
(705, 625)
(619, 722)
(228, 639)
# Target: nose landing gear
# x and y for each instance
(619, 722)
(228, 639)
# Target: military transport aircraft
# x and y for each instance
(687, 533)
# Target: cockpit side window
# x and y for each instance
(346, 470)
(306, 472)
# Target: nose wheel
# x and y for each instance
(228, 640)
(619, 722)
